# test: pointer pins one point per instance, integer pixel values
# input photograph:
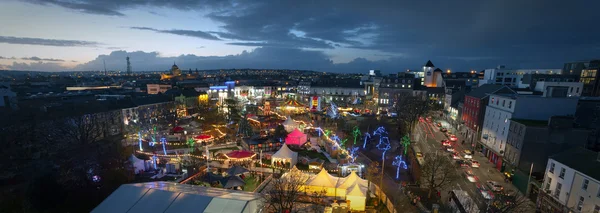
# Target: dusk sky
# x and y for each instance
(333, 36)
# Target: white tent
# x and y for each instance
(285, 154)
(138, 164)
(357, 197)
(290, 124)
(171, 197)
(323, 179)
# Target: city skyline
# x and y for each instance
(343, 37)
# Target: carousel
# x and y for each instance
(293, 106)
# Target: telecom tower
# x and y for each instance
(128, 66)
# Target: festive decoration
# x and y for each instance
(327, 133)
(384, 145)
(140, 141)
(380, 131)
(353, 153)
(356, 133)
(154, 159)
(164, 144)
(398, 162)
(191, 142)
(367, 136)
(405, 143)
(332, 111)
(244, 128)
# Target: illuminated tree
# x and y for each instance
(384, 145)
(398, 162)
(191, 142)
(353, 153)
(405, 143)
(367, 136)
(356, 133)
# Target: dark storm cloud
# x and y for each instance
(35, 58)
(190, 33)
(46, 42)
(456, 34)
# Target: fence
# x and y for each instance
(377, 191)
(262, 186)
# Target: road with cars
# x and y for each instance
(475, 170)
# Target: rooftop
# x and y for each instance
(486, 89)
(526, 122)
(580, 159)
(173, 197)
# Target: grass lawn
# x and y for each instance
(313, 154)
(251, 183)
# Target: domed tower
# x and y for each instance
(175, 71)
(428, 72)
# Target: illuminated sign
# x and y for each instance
(315, 104)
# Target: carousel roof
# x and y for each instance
(203, 136)
(292, 103)
(239, 154)
(177, 129)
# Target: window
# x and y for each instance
(510, 104)
(503, 103)
(557, 190)
(598, 194)
(584, 186)
(562, 173)
(548, 184)
(577, 90)
(551, 168)
(580, 203)
(596, 209)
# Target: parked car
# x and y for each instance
(439, 124)
(474, 163)
(453, 138)
(494, 186)
(455, 156)
(467, 154)
(443, 129)
(419, 154)
(462, 163)
(470, 176)
(446, 143)
(450, 149)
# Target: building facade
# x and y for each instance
(502, 108)
(512, 77)
(571, 182)
(154, 89)
(588, 75)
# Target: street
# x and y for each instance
(429, 141)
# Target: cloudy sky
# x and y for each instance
(334, 36)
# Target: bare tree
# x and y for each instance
(409, 108)
(285, 191)
(373, 173)
(316, 199)
(437, 172)
(510, 202)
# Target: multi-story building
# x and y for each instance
(588, 75)
(530, 80)
(571, 182)
(471, 78)
(8, 98)
(394, 86)
(433, 76)
(148, 111)
(572, 88)
(346, 91)
(588, 116)
(474, 105)
(154, 89)
(455, 93)
(502, 108)
(512, 77)
(533, 141)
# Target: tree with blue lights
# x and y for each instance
(333, 112)
(367, 136)
(140, 141)
(384, 145)
(163, 140)
(353, 153)
(398, 162)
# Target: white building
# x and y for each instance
(154, 89)
(573, 88)
(502, 108)
(571, 182)
(512, 77)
